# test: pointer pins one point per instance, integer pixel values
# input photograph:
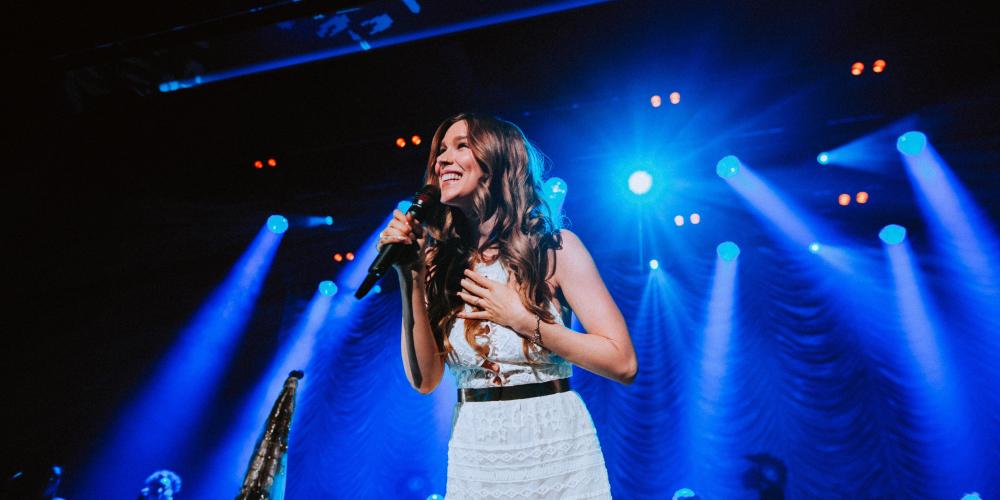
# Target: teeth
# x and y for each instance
(451, 176)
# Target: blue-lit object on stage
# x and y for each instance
(911, 143)
(640, 182)
(277, 224)
(728, 251)
(728, 167)
(893, 234)
(823, 158)
(328, 288)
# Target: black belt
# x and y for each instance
(507, 393)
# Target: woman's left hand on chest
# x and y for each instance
(496, 302)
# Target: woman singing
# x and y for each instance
(488, 294)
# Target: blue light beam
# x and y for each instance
(155, 427)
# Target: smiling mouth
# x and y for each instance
(450, 177)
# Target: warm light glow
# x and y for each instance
(878, 66)
(271, 162)
(349, 256)
(857, 68)
(400, 142)
(655, 101)
(862, 197)
(337, 257)
(258, 164)
(675, 98)
(416, 140)
(695, 218)
(679, 220)
(844, 199)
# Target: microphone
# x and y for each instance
(423, 202)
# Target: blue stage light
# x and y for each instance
(728, 167)
(911, 143)
(435, 496)
(640, 182)
(814, 247)
(823, 158)
(893, 234)
(328, 220)
(684, 493)
(728, 251)
(277, 224)
(328, 288)
(654, 264)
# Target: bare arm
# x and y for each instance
(423, 366)
(607, 348)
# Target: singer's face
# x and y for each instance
(457, 169)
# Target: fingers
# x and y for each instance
(484, 315)
(470, 299)
(479, 279)
(471, 287)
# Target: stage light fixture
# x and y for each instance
(695, 218)
(640, 182)
(862, 197)
(654, 264)
(911, 143)
(728, 251)
(328, 288)
(844, 199)
(823, 158)
(416, 140)
(656, 101)
(857, 68)
(893, 234)
(678, 220)
(277, 224)
(675, 98)
(728, 167)
(271, 162)
(814, 247)
(878, 66)
(258, 164)
(328, 220)
(349, 256)
(337, 257)
(400, 143)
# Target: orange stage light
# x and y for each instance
(878, 66)
(655, 101)
(258, 164)
(337, 257)
(862, 197)
(416, 140)
(675, 98)
(349, 256)
(401, 143)
(271, 162)
(857, 68)
(844, 199)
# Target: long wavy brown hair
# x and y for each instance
(525, 229)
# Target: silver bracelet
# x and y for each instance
(537, 337)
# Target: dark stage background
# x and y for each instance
(128, 207)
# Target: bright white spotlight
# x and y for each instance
(640, 182)
(823, 158)
(814, 247)
(654, 264)
(679, 220)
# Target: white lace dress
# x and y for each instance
(541, 447)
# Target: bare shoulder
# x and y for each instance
(572, 257)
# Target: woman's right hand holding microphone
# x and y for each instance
(403, 228)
